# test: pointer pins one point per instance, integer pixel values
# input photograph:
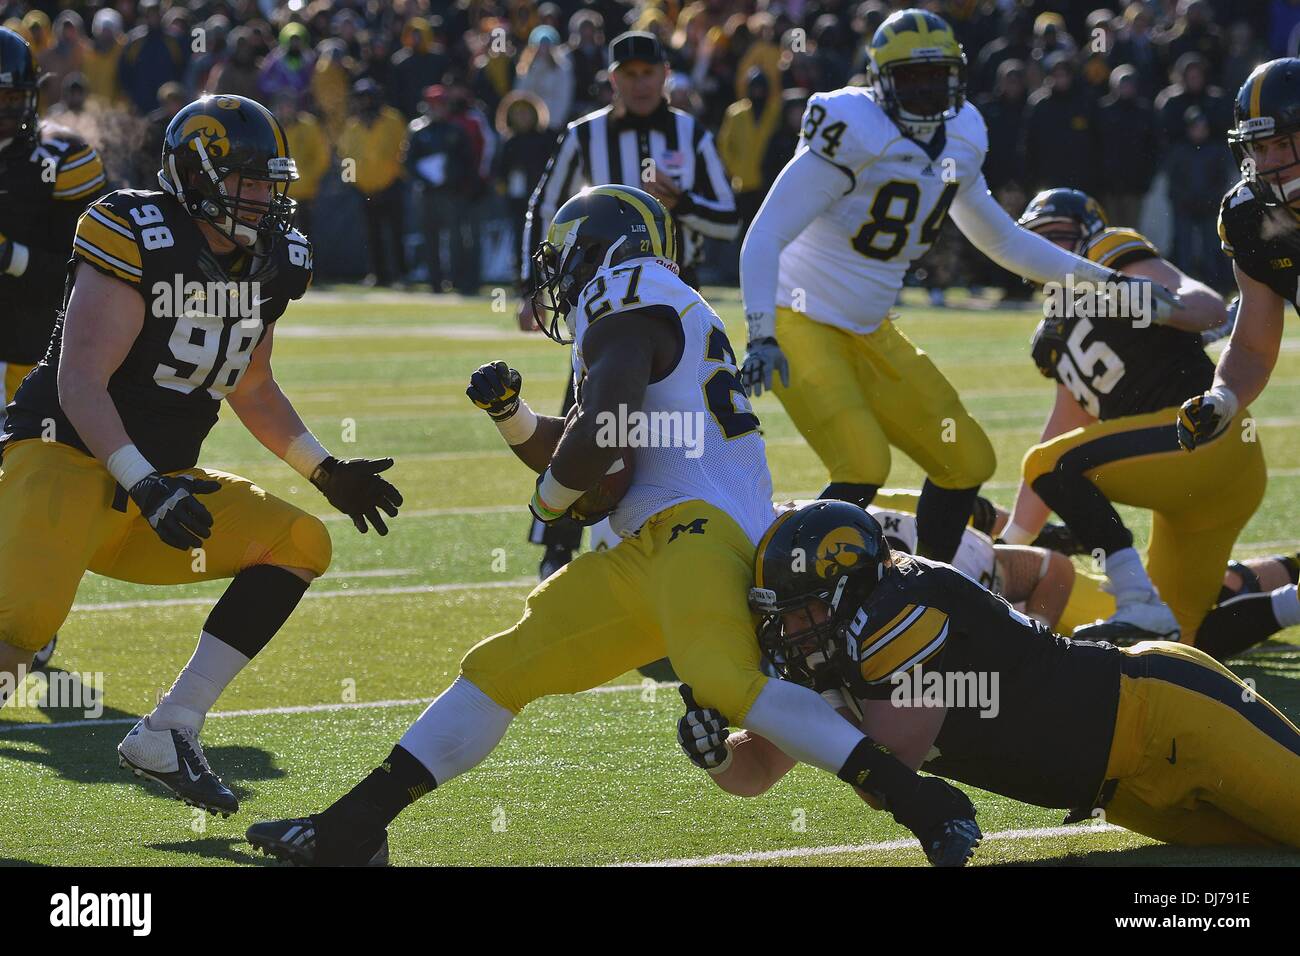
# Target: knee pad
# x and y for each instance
(306, 545)
(31, 626)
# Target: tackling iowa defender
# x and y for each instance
(1111, 436)
(865, 195)
(171, 307)
(1159, 737)
(644, 343)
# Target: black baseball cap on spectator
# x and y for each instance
(635, 45)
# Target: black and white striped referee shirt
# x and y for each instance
(601, 149)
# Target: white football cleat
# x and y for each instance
(1145, 619)
(175, 759)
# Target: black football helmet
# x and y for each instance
(599, 227)
(215, 137)
(18, 87)
(813, 569)
(1069, 213)
(1268, 105)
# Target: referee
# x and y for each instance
(639, 141)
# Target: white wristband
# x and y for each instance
(1014, 534)
(1228, 399)
(128, 466)
(554, 495)
(726, 761)
(834, 697)
(519, 427)
(18, 259)
(305, 454)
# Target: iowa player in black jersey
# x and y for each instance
(48, 175)
(171, 307)
(1110, 438)
(1259, 226)
(1160, 737)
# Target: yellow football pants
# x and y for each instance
(853, 396)
(57, 521)
(1200, 500)
(14, 373)
(679, 588)
(1198, 756)
(1087, 603)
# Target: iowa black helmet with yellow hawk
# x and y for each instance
(1070, 213)
(918, 69)
(18, 87)
(217, 137)
(1268, 105)
(829, 553)
(598, 228)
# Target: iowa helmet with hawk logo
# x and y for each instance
(831, 552)
(1070, 213)
(18, 81)
(1268, 105)
(216, 137)
(598, 228)
(918, 69)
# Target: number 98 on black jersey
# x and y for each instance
(204, 316)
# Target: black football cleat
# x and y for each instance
(953, 843)
(41, 659)
(175, 759)
(297, 841)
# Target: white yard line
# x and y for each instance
(759, 856)
(294, 709)
(316, 595)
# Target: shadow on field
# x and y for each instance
(86, 751)
(11, 861)
(234, 849)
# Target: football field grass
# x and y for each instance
(591, 779)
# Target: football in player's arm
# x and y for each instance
(1258, 220)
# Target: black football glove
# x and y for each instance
(495, 389)
(1205, 417)
(702, 733)
(169, 504)
(1059, 537)
(939, 815)
(354, 487)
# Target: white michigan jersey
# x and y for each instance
(846, 268)
(975, 557)
(695, 435)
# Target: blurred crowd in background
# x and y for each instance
(420, 127)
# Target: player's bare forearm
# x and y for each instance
(268, 415)
(538, 450)
(756, 765)
(1201, 307)
(1252, 351)
(103, 318)
(623, 353)
(1030, 512)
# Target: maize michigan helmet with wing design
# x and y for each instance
(18, 87)
(598, 228)
(1268, 105)
(918, 69)
(215, 137)
(831, 552)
